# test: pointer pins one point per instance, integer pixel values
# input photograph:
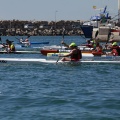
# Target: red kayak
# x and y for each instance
(46, 51)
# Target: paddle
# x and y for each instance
(83, 37)
(28, 36)
(63, 33)
(96, 34)
(17, 38)
(0, 40)
(108, 37)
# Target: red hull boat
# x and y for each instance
(46, 51)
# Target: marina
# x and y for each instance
(103, 24)
(35, 81)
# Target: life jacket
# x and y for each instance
(97, 52)
(118, 50)
(12, 47)
(89, 45)
(77, 56)
(114, 52)
(94, 43)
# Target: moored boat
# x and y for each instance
(103, 24)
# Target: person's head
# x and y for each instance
(88, 41)
(26, 39)
(7, 40)
(72, 45)
(114, 44)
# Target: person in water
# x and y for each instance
(75, 53)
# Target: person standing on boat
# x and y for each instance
(74, 55)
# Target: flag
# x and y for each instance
(94, 7)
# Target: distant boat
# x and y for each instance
(101, 18)
(99, 23)
(20, 52)
(46, 51)
(33, 43)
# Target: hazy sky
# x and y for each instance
(53, 9)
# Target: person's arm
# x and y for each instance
(69, 54)
(65, 44)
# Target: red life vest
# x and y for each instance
(115, 52)
(77, 56)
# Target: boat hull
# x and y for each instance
(20, 52)
(26, 60)
(34, 43)
(46, 51)
(107, 59)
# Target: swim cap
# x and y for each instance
(115, 43)
(72, 44)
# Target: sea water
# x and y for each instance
(58, 91)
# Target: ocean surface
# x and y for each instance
(58, 92)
